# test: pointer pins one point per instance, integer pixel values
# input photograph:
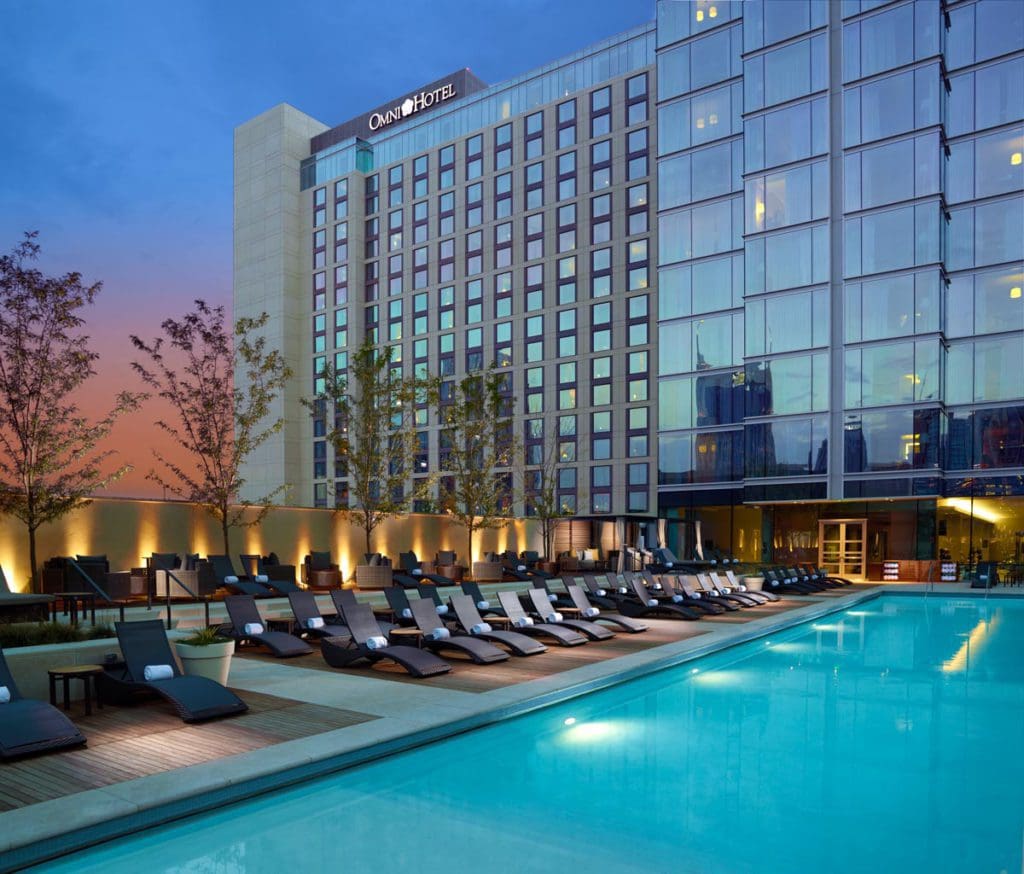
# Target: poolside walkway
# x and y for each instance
(307, 721)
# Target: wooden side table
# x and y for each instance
(66, 673)
(401, 633)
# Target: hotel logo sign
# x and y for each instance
(412, 105)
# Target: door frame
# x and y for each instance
(841, 571)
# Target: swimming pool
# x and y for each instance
(881, 738)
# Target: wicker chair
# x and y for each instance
(319, 572)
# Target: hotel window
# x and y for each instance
(894, 105)
(636, 99)
(502, 295)
(371, 190)
(395, 320)
(420, 223)
(567, 124)
(446, 213)
(446, 167)
(420, 308)
(503, 146)
(503, 344)
(785, 73)
(503, 244)
(319, 207)
(600, 165)
(636, 154)
(420, 262)
(534, 135)
(341, 285)
(567, 176)
(503, 195)
(395, 186)
(421, 176)
(534, 183)
(474, 157)
(474, 253)
(474, 205)
(534, 287)
(446, 308)
(474, 350)
(340, 199)
(600, 112)
(534, 236)
(446, 354)
(395, 230)
(395, 274)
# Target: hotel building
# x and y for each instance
(753, 265)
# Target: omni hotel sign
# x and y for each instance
(412, 105)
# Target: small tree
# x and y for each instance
(370, 420)
(478, 447)
(219, 421)
(49, 461)
(542, 494)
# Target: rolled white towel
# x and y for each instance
(741, 588)
(522, 622)
(5, 695)
(262, 578)
(481, 628)
(714, 561)
(622, 590)
(157, 672)
(483, 605)
(442, 609)
(406, 613)
(669, 564)
(315, 622)
(417, 572)
(376, 642)
(677, 598)
(657, 587)
(552, 597)
(652, 602)
(696, 595)
(716, 593)
(602, 592)
(591, 612)
(439, 634)
(521, 568)
(553, 617)
(231, 578)
(251, 628)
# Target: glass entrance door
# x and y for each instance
(841, 544)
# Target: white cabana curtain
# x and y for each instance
(662, 533)
(620, 539)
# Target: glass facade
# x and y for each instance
(848, 275)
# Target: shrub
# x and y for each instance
(15, 634)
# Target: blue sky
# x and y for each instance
(118, 117)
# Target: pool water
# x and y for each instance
(883, 738)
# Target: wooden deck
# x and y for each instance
(136, 741)
(468, 677)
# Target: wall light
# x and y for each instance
(1015, 292)
(1016, 158)
(700, 15)
(712, 12)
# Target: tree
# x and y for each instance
(369, 417)
(217, 419)
(477, 450)
(542, 494)
(49, 460)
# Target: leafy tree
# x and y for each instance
(369, 416)
(49, 460)
(478, 449)
(218, 419)
(542, 495)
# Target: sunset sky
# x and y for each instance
(116, 139)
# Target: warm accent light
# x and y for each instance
(700, 123)
(976, 638)
(1015, 292)
(700, 15)
(1016, 158)
(913, 377)
(712, 12)
(963, 505)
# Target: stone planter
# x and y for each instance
(373, 576)
(212, 661)
(487, 571)
(754, 584)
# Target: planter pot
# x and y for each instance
(487, 571)
(212, 662)
(754, 584)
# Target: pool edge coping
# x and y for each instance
(107, 813)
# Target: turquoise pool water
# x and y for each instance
(884, 738)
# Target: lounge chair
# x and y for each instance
(727, 588)
(30, 726)
(430, 592)
(531, 558)
(640, 602)
(437, 636)
(344, 598)
(588, 611)
(247, 625)
(473, 623)
(398, 601)
(601, 592)
(679, 592)
(521, 622)
(777, 581)
(713, 591)
(227, 578)
(368, 642)
(740, 587)
(257, 573)
(412, 566)
(482, 602)
(309, 618)
(144, 644)
(547, 613)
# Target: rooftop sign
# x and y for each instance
(412, 105)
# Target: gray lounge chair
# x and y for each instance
(345, 598)
(29, 726)
(734, 583)
(144, 644)
(482, 602)
(437, 636)
(254, 570)
(547, 612)
(676, 589)
(640, 602)
(473, 623)
(712, 590)
(589, 611)
(728, 586)
(521, 622)
(307, 615)
(245, 615)
(368, 643)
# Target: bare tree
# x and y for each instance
(49, 460)
(542, 497)
(478, 450)
(370, 419)
(218, 419)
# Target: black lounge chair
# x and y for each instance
(642, 603)
(398, 601)
(531, 558)
(726, 587)
(740, 587)
(310, 619)
(547, 613)
(144, 644)
(227, 578)
(430, 592)
(437, 636)
(411, 566)
(481, 601)
(473, 623)
(368, 642)
(521, 622)
(713, 591)
(599, 591)
(592, 613)
(254, 570)
(344, 598)
(682, 590)
(248, 625)
(29, 726)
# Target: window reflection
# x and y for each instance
(792, 447)
(891, 440)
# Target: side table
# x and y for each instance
(86, 673)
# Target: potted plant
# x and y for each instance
(206, 654)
